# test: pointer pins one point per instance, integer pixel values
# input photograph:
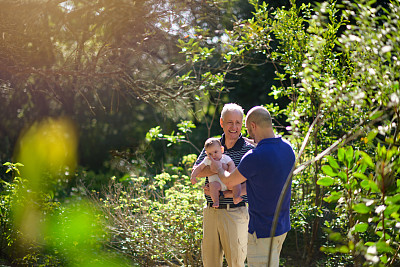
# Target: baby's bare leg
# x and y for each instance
(237, 190)
(215, 187)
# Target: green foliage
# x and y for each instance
(338, 65)
(155, 220)
(37, 230)
(53, 233)
(367, 203)
(182, 136)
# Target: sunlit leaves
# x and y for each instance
(361, 227)
(361, 208)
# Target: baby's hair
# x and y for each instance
(212, 141)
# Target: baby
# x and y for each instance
(215, 150)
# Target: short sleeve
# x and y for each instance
(248, 165)
(226, 159)
(207, 161)
(200, 157)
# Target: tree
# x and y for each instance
(338, 67)
(98, 62)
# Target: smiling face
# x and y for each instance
(231, 124)
(215, 151)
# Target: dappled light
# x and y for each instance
(105, 107)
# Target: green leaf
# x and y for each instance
(360, 175)
(393, 199)
(329, 171)
(382, 246)
(344, 249)
(332, 161)
(384, 258)
(367, 159)
(391, 209)
(341, 154)
(372, 186)
(326, 181)
(376, 115)
(371, 135)
(4, 182)
(361, 227)
(361, 208)
(334, 197)
(335, 237)
(343, 176)
(349, 156)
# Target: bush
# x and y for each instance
(155, 220)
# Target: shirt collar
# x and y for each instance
(270, 140)
(238, 145)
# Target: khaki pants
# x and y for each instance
(258, 250)
(224, 232)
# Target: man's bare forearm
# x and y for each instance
(223, 175)
(205, 172)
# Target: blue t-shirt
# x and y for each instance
(266, 168)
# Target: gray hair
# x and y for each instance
(231, 107)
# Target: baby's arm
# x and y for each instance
(196, 170)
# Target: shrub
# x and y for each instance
(155, 220)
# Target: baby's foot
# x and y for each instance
(237, 200)
(215, 204)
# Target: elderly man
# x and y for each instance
(225, 227)
(265, 170)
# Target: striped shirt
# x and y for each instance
(235, 153)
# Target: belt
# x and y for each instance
(227, 206)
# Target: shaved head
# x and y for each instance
(260, 116)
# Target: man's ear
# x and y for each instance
(221, 122)
(253, 125)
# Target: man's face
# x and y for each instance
(214, 151)
(232, 124)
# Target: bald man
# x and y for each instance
(265, 170)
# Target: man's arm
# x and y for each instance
(229, 179)
(196, 171)
(205, 172)
(231, 166)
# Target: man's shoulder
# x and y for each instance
(247, 145)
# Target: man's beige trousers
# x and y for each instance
(258, 250)
(224, 232)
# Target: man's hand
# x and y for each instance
(215, 165)
(193, 180)
(229, 179)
